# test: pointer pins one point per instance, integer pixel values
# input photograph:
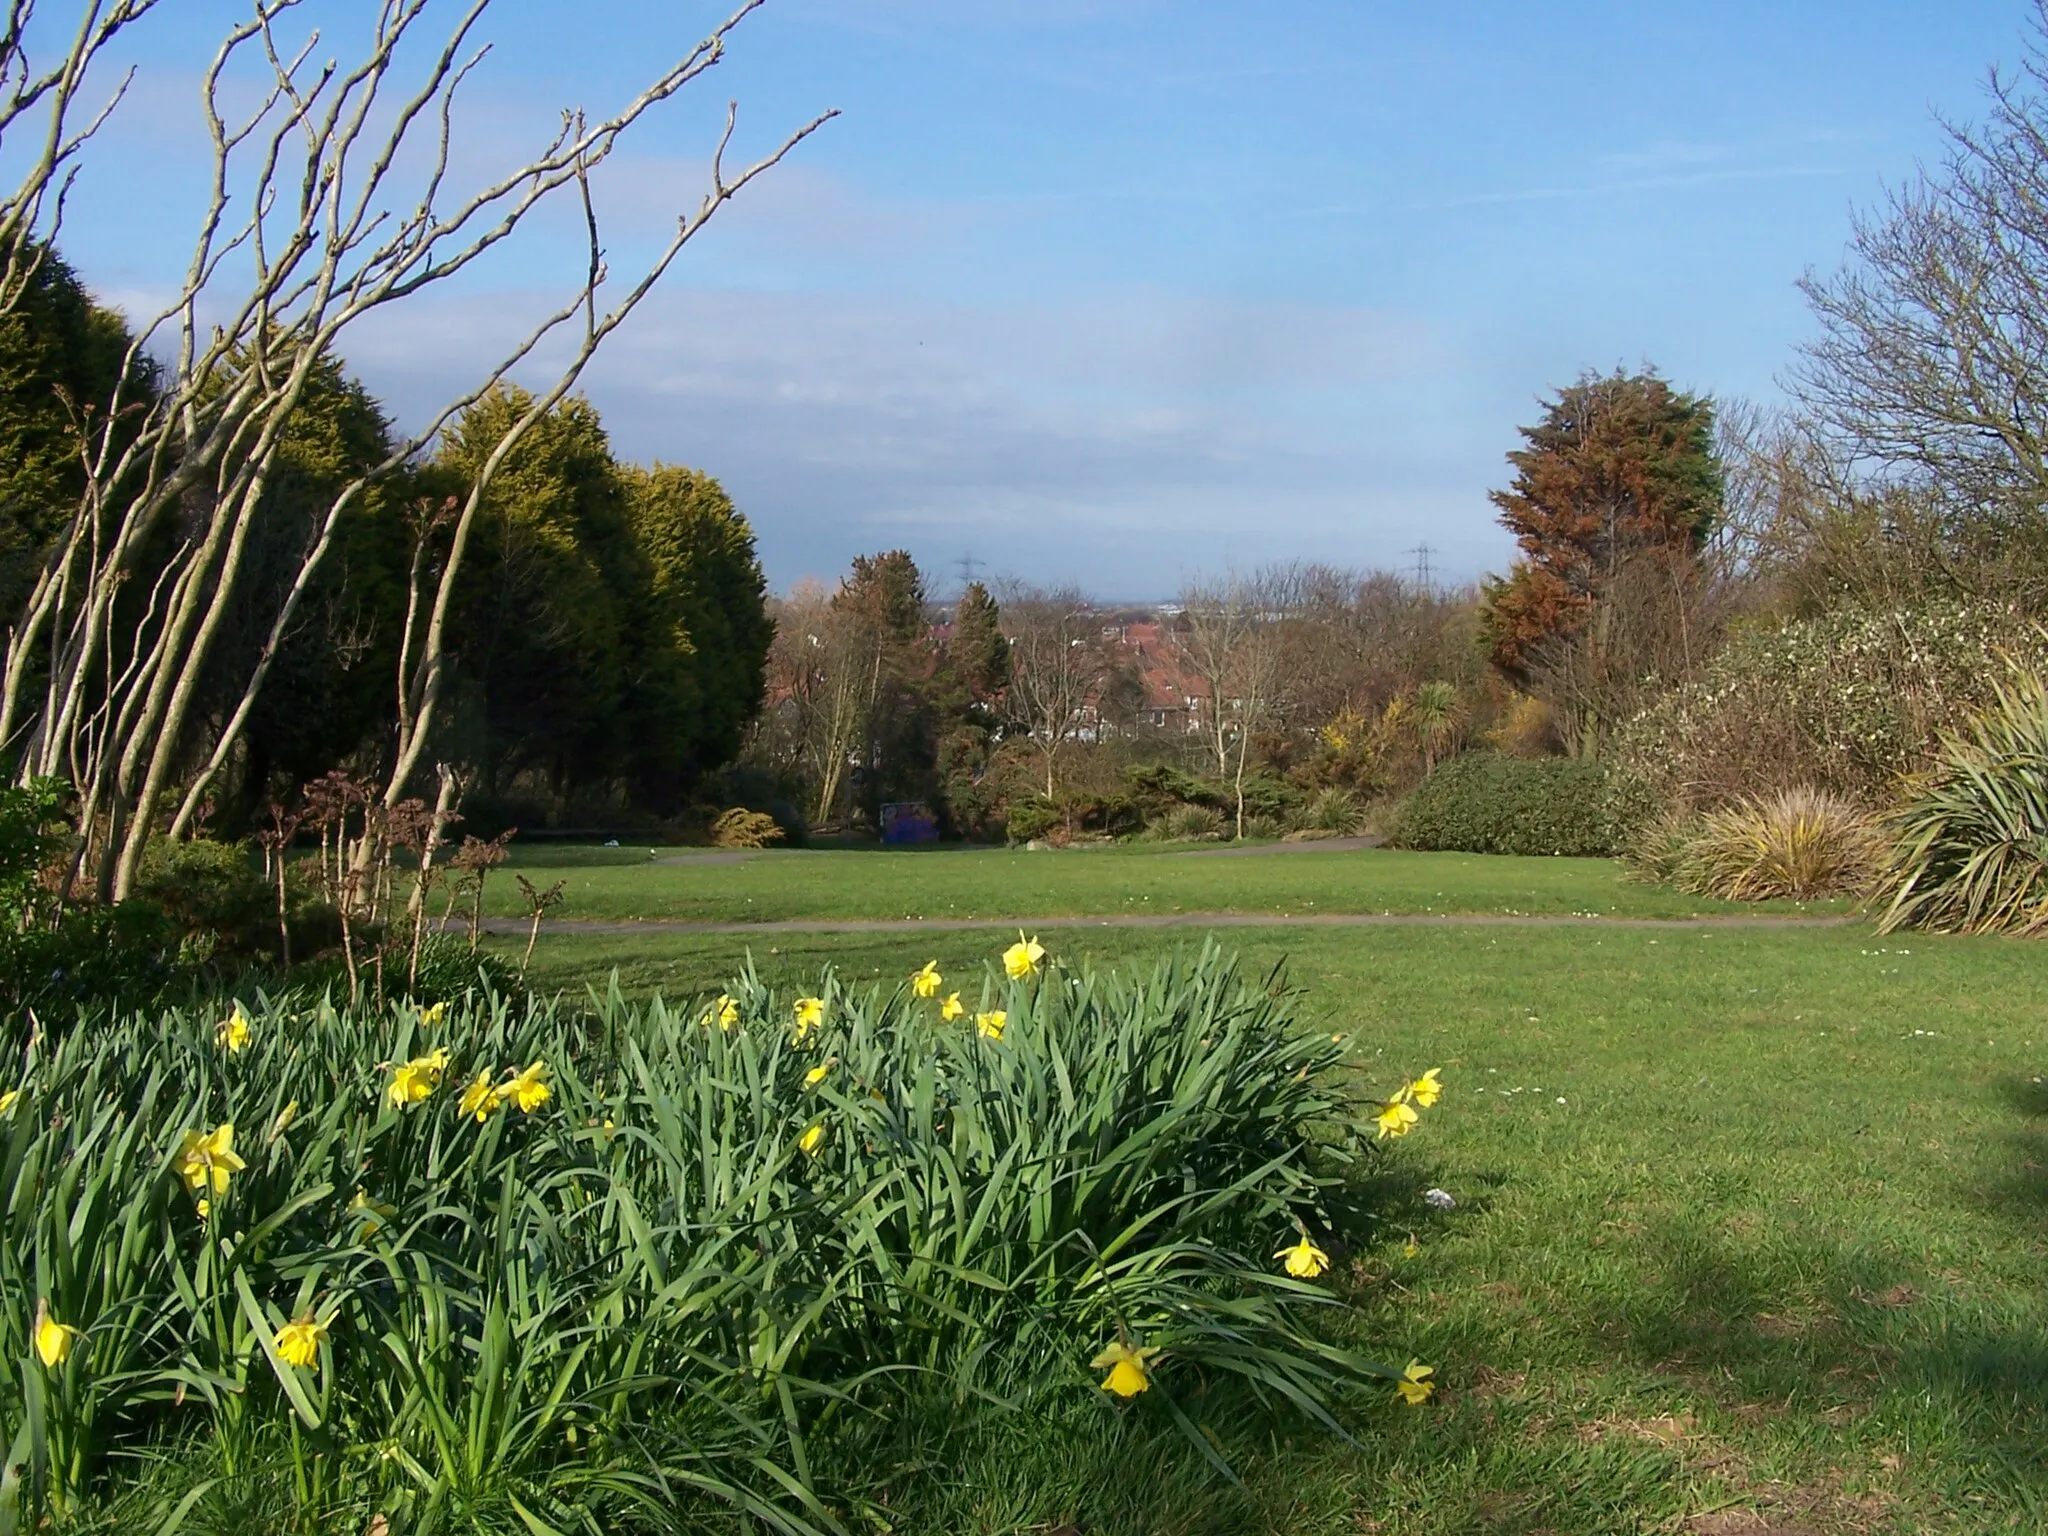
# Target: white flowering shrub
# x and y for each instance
(1850, 703)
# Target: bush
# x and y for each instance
(1972, 851)
(1190, 823)
(1656, 846)
(1333, 810)
(214, 894)
(1264, 826)
(1486, 802)
(605, 1273)
(1850, 702)
(742, 828)
(1798, 843)
(1032, 817)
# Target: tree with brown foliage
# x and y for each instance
(1620, 476)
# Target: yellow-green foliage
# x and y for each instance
(556, 1272)
(1798, 843)
(742, 828)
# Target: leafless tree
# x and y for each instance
(310, 226)
(1929, 378)
(1661, 616)
(1059, 671)
(51, 98)
(1230, 638)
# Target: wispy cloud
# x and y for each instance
(1136, 432)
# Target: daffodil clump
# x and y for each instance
(373, 1223)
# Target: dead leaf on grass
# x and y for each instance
(1744, 1522)
(1900, 1295)
(1671, 1429)
(1488, 1384)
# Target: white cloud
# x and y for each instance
(1120, 440)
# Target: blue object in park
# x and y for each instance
(909, 821)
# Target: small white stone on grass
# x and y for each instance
(1439, 1199)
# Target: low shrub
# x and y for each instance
(742, 828)
(1264, 826)
(1797, 843)
(1972, 836)
(1030, 818)
(214, 893)
(1333, 810)
(1190, 823)
(1488, 802)
(481, 1268)
(1656, 846)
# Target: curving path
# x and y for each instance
(659, 925)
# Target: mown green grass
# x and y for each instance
(1778, 1261)
(618, 884)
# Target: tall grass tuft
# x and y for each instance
(1972, 854)
(1797, 843)
(613, 1270)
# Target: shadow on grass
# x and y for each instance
(2016, 1184)
(1865, 1347)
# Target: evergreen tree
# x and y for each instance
(553, 588)
(706, 633)
(60, 360)
(1618, 465)
(1620, 470)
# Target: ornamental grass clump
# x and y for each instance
(497, 1268)
(1797, 843)
(1972, 850)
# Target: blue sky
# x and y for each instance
(1116, 290)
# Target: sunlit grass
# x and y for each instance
(617, 884)
(1778, 1254)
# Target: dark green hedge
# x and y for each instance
(1487, 802)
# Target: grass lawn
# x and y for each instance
(1750, 1228)
(624, 883)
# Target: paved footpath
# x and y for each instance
(660, 925)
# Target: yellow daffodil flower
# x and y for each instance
(952, 1008)
(812, 1140)
(1425, 1090)
(1128, 1368)
(284, 1120)
(7, 1099)
(53, 1339)
(232, 1032)
(926, 982)
(414, 1082)
(1397, 1119)
(528, 1089)
(810, 1013)
(1415, 1386)
(369, 1215)
(817, 1075)
(480, 1099)
(431, 1018)
(1022, 958)
(725, 1013)
(298, 1341)
(990, 1026)
(206, 1160)
(1304, 1259)
(1410, 1248)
